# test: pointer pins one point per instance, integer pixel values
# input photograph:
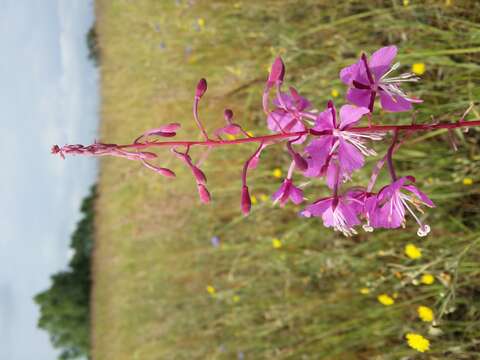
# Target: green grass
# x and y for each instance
(153, 259)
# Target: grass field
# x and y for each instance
(162, 291)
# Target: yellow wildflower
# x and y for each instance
(418, 68)
(276, 243)
(448, 2)
(385, 299)
(236, 298)
(364, 291)
(231, 137)
(413, 252)
(467, 181)
(425, 313)
(201, 22)
(418, 342)
(427, 279)
(264, 197)
(211, 290)
(406, 2)
(334, 93)
(237, 5)
(277, 173)
(253, 199)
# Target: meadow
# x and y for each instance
(278, 286)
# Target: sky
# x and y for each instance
(48, 95)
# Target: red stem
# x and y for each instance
(268, 138)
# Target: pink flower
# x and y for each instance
(288, 191)
(387, 209)
(338, 212)
(288, 113)
(367, 79)
(335, 141)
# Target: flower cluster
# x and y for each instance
(326, 144)
(335, 151)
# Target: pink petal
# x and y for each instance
(394, 104)
(296, 195)
(359, 97)
(279, 193)
(348, 74)
(383, 57)
(300, 102)
(324, 121)
(350, 115)
(421, 195)
(332, 175)
(318, 150)
(350, 158)
(348, 213)
(318, 207)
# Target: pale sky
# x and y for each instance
(48, 95)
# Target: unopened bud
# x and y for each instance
(199, 175)
(246, 201)
(166, 172)
(201, 88)
(277, 73)
(203, 193)
(228, 114)
(147, 155)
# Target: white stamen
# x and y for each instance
(340, 224)
(424, 229)
(367, 228)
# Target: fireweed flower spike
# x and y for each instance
(367, 79)
(337, 147)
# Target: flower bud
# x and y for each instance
(246, 201)
(203, 193)
(277, 72)
(147, 155)
(201, 88)
(199, 175)
(165, 172)
(228, 114)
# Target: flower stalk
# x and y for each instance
(336, 148)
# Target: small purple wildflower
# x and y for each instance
(337, 142)
(387, 209)
(288, 113)
(288, 191)
(367, 79)
(215, 241)
(339, 212)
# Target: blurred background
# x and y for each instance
(170, 278)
